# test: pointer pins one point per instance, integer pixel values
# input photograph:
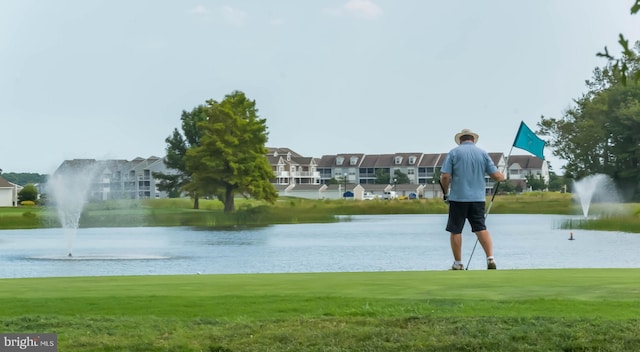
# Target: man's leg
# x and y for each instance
(455, 223)
(456, 246)
(485, 241)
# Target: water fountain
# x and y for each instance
(70, 186)
(601, 189)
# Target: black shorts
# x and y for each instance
(461, 211)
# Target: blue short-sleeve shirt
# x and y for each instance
(468, 166)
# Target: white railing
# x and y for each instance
(307, 174)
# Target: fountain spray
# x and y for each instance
(70, 186)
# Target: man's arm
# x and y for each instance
(445, 181)
(497, 176)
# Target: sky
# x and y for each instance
(110, 79)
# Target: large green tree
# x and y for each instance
(619, 64)
(177, 145)
(230, 158)
(600, 134)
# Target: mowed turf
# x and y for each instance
(559, 309)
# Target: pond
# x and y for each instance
(364, 243)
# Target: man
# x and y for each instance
(464, 170)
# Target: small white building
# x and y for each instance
(8, 193)
(521, 166)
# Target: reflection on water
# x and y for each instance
(366, 243)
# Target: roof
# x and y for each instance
(332, 160)
(432, 160)
(495, 157)
(307, 187)
(326, 161)
(374, 187)
(526, 161)
(281, 151)
(377, 160)
(5, 184)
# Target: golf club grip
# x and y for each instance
(495, 191)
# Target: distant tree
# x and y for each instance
(332, 181)
(230, 158)
(400, 178)
(177, 145)
(28, 192)
(23, 178)
(556, 183)
(506, 187)
(436, 174)
(382, 176)
(536, 182)
(518, 188)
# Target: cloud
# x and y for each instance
(234, 16)
(276, 22)
(366, 9)
(363, 8)
(199, 10)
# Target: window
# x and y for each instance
(353, 160)
(398, 160)
(339, 160)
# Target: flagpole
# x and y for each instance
(504, 169)
(527, 140)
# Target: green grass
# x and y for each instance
(511, 310)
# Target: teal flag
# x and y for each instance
(527, 140)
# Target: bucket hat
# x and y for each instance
(466, 132)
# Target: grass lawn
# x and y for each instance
(504, 310)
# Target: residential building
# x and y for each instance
(8, 193)
(521, 166)
(291, 168)
(118, 179)
(421, 169)
(341, 167)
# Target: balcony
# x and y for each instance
(298, 174)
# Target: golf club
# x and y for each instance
(486, 213)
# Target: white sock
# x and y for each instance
(490, 257)
(457, 262)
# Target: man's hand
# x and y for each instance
(446, 198)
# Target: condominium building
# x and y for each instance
(116, 179)
(326, 177)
